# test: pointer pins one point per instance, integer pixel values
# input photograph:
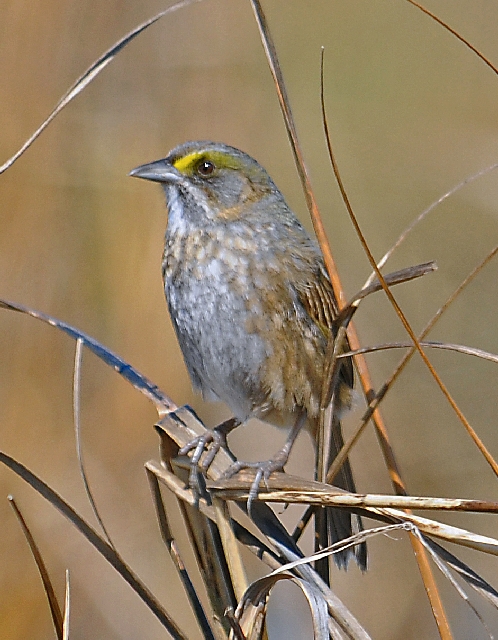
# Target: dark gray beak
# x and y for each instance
(158, 171)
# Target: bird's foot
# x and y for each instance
(210, 442)
(263, 468)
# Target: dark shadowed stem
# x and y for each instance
(101, 545)
(42, 569)
(172, 547)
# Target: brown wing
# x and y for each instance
(318, 299)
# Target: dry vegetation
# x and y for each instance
(411, 113)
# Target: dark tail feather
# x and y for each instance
(333, 525)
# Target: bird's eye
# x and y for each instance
(205, 168)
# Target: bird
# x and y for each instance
(252, 306)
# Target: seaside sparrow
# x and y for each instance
(251, 304)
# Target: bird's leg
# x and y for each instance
(211, 441)
(266, 467)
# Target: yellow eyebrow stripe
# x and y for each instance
(186, 163)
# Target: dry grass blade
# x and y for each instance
(273, 63)
(455, 33)
(343, 544)
(335, 351)
(251, 611)
(441, 557)
(402, 316)
(382, 435)
(55, 610)
(377, 399)
(173, 550)
(67, 608)
(360, 362)
(206, 543)
(133, 376)
(433, 321)
(459, 348)
(464, 571)
(90, 74)
(245, 537)
(288, 489)
(446, 532)
(97, 542)
(230, 548)
(397, 277)
(77, 433)
(406, 232)
(181, 426)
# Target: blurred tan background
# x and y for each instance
(412, 112)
